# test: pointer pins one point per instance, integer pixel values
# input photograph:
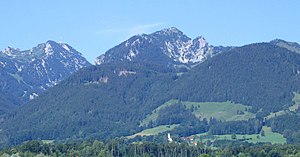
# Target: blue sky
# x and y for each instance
(94, 26)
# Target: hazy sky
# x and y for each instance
(94, 26)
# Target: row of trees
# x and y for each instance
(120, 148)
(113, 148)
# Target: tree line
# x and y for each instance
(121, 148)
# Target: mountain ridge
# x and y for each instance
(111, 99)
(27, 73)
(170, 46)
(136, 77)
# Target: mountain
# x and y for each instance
(96, 102)
(113, 98)
(26, 74)
(260, 75)
(169, 46)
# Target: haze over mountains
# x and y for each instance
(146, 82)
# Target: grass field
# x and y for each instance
(220, 110)
(154, 131)
(274, 138)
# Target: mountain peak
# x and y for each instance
(54, 43)
(172, 30)
(35, 70)
(50, 45)
(51, 42)
(169, 31)
(168, 45)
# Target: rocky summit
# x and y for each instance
(167, 46)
